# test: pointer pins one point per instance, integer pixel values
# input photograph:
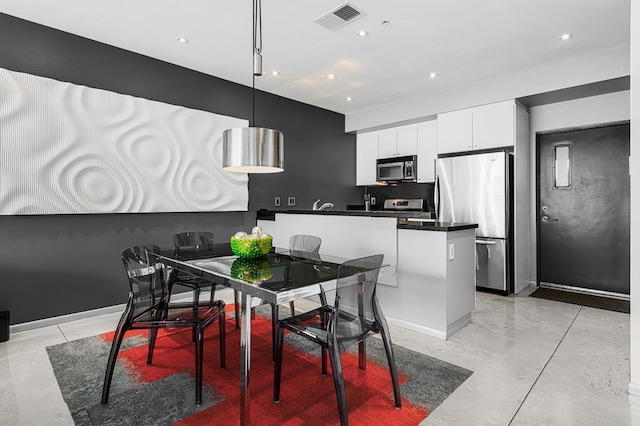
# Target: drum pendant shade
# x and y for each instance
(253, 150)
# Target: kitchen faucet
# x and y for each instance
(322, 207)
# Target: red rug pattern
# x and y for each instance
(306, 396)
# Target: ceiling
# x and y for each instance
(462, 41)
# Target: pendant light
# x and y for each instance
(254, 149)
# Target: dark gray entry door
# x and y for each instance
(583, 208)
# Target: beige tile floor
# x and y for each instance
(535, 362)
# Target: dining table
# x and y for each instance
(280, 276)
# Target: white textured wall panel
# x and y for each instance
(67, 149)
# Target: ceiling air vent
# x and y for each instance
(339, 17)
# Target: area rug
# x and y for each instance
(575, 298)
(164, 393)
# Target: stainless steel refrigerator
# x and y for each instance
(477, 188)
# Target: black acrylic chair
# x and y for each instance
(354, 316)
(300, 246)
(190, 245)
(149, 308)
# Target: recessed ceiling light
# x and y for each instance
(274, 72)
(183, 40)
(432, 75)
(362, 33)
(331, 76)
(349, 98)
(566, 36)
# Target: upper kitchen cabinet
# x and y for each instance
(482, 127)
(455, 131)
(366, 156)
(398, 141)
(494, 125)
(419, 139)
(427, 150)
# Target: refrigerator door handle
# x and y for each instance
(436, 197)
(486, 243)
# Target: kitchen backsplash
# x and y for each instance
(402, 190)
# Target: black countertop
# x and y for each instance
(426, 225)
(270, 214)
(436, 226)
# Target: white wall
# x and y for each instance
(582, 112)
(634, 385)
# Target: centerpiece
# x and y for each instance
(251, 246)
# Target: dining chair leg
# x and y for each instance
(199, 356)
(277, 368)
(111, 363)
(362, 355)
(196, 300)
(338, 382)
(153, 335)
(391, 358)
(153, 332)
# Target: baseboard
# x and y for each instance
(458, 325)
(634, 389)
(46, 322)
(417, 328)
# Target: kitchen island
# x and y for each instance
(430, 284)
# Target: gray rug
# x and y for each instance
(79, 369)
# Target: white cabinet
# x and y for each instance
(427, 150)
(398, 141)
(455, 131)
(482, 127)
(494, 125)
(407, 140)
(366, 156)
(387, 143)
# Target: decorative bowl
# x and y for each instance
(251, 270)
(251, 248)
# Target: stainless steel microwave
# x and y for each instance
(397, 169)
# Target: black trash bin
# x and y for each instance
(4, 326)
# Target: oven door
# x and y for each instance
(389, 172)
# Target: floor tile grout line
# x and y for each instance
(544, 367)
(63, 335)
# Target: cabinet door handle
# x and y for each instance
(486, 243)
(546, 218)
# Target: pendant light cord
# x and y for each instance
(257, 49)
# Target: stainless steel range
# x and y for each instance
(404, 204)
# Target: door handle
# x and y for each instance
(486, 243)
(436, 196)
(546, 218)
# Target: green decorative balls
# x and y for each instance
(251, 248)
(251, 270)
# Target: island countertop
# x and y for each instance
(270, 214)
(428, 224)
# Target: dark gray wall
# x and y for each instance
(55, 265)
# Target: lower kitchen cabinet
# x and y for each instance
(436, 282)
(428, 284)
